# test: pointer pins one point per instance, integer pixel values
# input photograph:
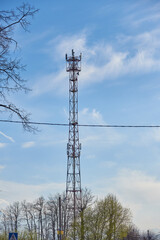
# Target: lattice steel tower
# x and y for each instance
(73, 182)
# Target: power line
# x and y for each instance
(35, 123)
(83, 125)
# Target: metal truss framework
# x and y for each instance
(73, 182)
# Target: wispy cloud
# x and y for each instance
(101, 61)
(142, 13)
(28, 144)
(7, 137)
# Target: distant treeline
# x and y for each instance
(104, 219)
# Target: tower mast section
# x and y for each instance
(73, 182)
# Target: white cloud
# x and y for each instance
(13, 191)
(2, 167)
(7, 137)
(28, 144)
(92, 117)
(137, 191)
(2, 145)
(91, 156)
(101, 61)
(141, 192)
(155, 135)
(98, 137)
(64, 45)
(140, 186)
(146, 137)
(108, 164)
(141, 15)
(51, 82)
(3, 203)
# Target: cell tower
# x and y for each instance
(73, 182)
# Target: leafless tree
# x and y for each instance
(150, 235)
(16, 213)
(27, 211)
(133, 234)
(52, 206)
(4, 223)
(87, 198)
(39, 206)
(11, 217)
(11, 67)
(53, 212)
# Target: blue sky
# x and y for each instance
(119, 84)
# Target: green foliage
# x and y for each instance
(3, 236)
(107, 219)
(26, 235)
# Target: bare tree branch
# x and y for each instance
(11, 68)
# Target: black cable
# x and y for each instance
(84, 125)
(36, 123)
